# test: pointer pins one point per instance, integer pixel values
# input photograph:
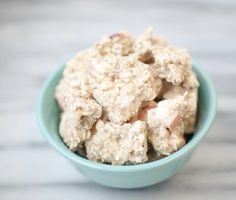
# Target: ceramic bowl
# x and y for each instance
(133, 176)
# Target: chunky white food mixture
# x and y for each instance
(118, 143)
(128, 100)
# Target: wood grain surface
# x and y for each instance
(38, 36)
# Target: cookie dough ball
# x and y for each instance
(118, 144)
(118, 44)
(80, 62)
(145, 43)
(70, 88)
(77, 121)
(79, 110)
(74, 82)
(166, 127)
(172, 64)
(121, 84)
(148, 40)
(166, 142)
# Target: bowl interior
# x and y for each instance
(48, 118)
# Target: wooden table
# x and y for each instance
(38, 36)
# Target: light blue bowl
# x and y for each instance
(134, 176)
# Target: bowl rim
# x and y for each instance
(129, 168)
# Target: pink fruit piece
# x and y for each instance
(173, 120)
(114, 35)
(147, 106)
